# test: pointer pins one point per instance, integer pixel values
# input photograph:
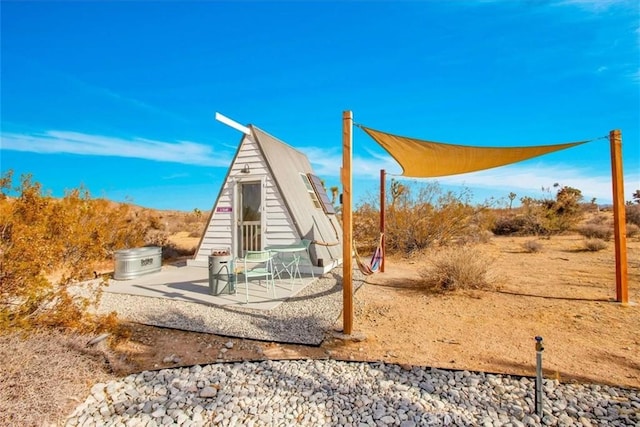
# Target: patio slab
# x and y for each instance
(178, 298)
(191, 284)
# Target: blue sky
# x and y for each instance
(120, 96)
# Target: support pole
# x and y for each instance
(383, 175)
(539, 379)
(619, 217)
(347, 227)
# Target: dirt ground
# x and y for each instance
(563, 294)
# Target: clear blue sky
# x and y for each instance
(120, 96)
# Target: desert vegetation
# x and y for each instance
(49, 245)
(443, 225)
(594, 244)
(421, 217)
(544, 216)
(532, 246)
(457, 268)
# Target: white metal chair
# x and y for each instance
(257, 265)
(288, 263)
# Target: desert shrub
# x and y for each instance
(539, 217)
(632, 230)
(457, 268)
(41, 238)
(599, 219)
(176, 221)
(633, 214)
(156, 238)
(475, 236)
(519, 224)
(365, 226)
(532, 246)
(596, 231)
(196, 228)
(420, 217)
(196, 233)
(171, 252)
(155, 222)
(594, 245)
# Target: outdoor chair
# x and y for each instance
(257, 265)
(288, 263)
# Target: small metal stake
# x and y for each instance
(538, 397)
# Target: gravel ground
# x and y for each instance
(303, 319)
(335, 393)
(324, 392)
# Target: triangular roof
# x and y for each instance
(285, 164)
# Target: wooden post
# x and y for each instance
(347, 227)
(619, 217)
(382, 209)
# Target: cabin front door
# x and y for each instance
(250, 217)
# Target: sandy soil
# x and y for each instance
(563, 293)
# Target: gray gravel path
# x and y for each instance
(335, 393)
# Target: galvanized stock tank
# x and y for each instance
(131, 263)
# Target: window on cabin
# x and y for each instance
(312, 193)
(321, 194)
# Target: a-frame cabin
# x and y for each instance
(270, 196)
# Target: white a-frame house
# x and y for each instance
(270, 196)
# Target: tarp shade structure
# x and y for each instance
(422, 159)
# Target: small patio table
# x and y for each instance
(289, 259)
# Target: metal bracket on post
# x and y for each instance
(538, 396)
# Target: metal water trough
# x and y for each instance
(131, 263)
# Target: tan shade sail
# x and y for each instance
(420, 158)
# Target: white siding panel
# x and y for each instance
(218, 234)
(280, 228)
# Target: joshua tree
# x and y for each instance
(512, 197)
(397, 190)
(636, 196)
(334, 195)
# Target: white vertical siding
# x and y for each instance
(279, 227)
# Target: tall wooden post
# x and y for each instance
(619, 217)
(347, 226)
(383, 184)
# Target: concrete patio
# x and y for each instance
(178, 297)
(191, 284)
